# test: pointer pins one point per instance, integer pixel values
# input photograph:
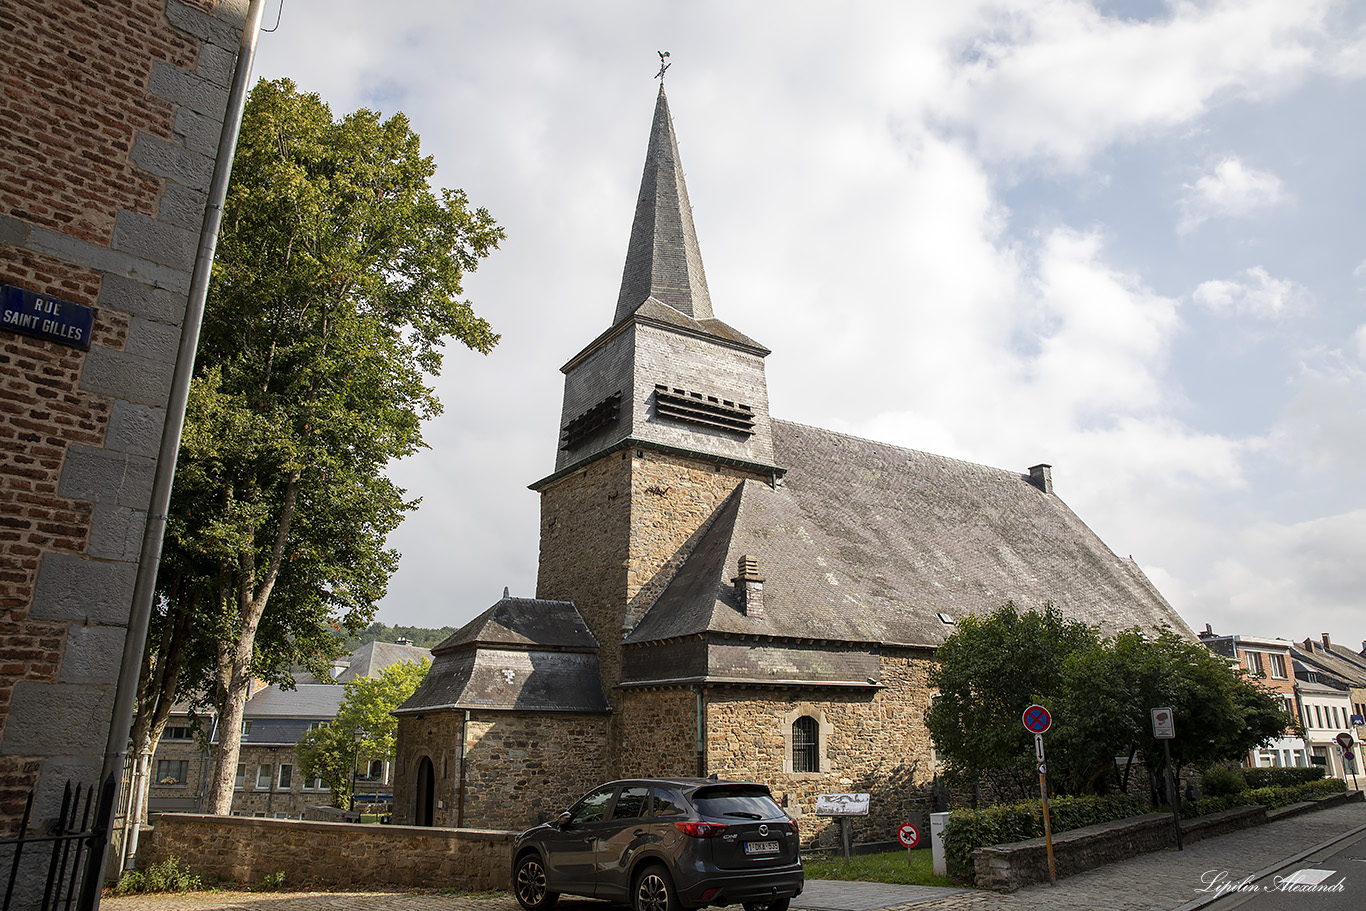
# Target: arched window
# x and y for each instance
(806, 745)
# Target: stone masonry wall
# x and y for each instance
(112, 114)
(612, 536)
(585, 538)
(520, 769)
(662, 733)
(238, 849)
(874, 742)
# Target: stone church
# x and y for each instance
(720, 592)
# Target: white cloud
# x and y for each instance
(1274, 575)
(1358, 343)
(1256, 294)
(1060, 80)
(1233, 190)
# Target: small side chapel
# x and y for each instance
(721, 592)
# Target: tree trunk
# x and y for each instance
(234, 659)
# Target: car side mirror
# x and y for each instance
(562, 821)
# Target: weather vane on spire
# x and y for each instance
(663, 66)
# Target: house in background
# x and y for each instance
(1271, 661)
(1332, 681)
(269, 781)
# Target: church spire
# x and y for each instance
(663, 260)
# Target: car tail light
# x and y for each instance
(796, 830)
(700, 829)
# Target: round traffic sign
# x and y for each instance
(1036, 719)
(908, 835)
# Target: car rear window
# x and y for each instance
(736, 802)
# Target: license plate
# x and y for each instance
(761, 847)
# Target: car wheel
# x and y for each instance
(654, 891)
(530, 886)
(777, 904)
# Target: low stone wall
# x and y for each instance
(1006, 868)
(244, 850)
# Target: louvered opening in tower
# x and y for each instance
(708, 410)
(592, 420)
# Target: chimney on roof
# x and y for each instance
(402, 640)
(749, 587)
(1309, 645)
(1327, 643)
(1041, 476)
(1208, 633)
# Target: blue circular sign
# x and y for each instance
(1036, 719)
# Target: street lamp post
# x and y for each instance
(358, 735)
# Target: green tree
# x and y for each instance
(330, 751)
(1220, 712)
(1100, 691)
(335, 287)
(990, 670)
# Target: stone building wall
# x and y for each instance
(252, 798)
(585, 540)
(874, 742)
(612, 536)
(234, 849)
(112, 114)
(661, 739)
(520, 769)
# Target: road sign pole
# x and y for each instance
(1171, 792)
(1047, 826)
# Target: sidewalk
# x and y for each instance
(1162, 881)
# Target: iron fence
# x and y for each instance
(69, 846)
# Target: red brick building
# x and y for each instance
(112, 115)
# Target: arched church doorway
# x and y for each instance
(426, 792)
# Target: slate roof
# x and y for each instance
(522, 654)
(373, 657)
(307, 700)
(663, 259)
(868, 542)
(1314, 657)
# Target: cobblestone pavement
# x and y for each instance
(1163, 881)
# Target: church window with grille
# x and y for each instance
(806, 745)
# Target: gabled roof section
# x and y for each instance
(523, 623)
(663, 259)
(866, 542)
(373, 657)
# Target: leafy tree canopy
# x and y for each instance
(335, 287)
(1100, 691)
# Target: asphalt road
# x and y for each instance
(1332, 878)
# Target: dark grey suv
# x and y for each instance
(663, 845)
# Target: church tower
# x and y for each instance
(665, 414)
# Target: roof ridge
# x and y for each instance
(898, 447)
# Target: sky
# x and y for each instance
(1127, 239)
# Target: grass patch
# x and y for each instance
(888, 867)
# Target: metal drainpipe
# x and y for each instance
(460, 770)
(144, 587)
(701, 734)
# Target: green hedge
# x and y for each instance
(1270, 797)
(968, 830)
(1283, 777)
